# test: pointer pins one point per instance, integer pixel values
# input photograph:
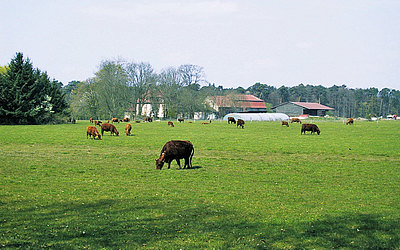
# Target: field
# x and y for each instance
(265, 186)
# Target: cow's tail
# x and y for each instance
(190, 159)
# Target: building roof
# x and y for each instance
(308, 105)
(242, 101)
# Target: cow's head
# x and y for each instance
(318, 132)
(99, 136)
(160, 161)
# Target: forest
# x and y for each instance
(118, 86)
(28, 96)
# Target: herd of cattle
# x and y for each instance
(177, 149)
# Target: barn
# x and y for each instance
(257, 116)
(302, 108)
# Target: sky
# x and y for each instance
(238, 43)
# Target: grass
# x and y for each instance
(265, 186)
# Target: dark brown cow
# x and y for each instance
(240, 123)
(126, 119)
(109, 127)
(295, 120)
(148, 119)
(176, 150)
(309, 127)
(231, 120)
(91, 119)
(181, 120)
(171, 124)
(92, 131)
(350, 121)
(98, 123)
(205, 123)
(114, 120)
(128, 128)
(285, 123)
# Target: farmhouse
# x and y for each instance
(302, 108)
(236, 103)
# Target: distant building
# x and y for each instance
(236, 104)
(302, 108)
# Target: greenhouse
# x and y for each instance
(257, 116)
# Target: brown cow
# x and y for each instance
(109, 127)
(309, 127)
(114, 120)
(128, 128)
(205, 123)
(148, 119)
(181, 120)
(91, 119)
(350, 121)
(285, 123)
(171, 124)
(295, 120)
(240, 123)
(97, 123)
(92, 131)
(126, 119)
(231, 120)
(176, 150)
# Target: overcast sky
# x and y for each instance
(238, 43)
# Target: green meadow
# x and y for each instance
(262, 187)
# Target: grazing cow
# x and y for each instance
(350, 121)
(231, 120)
(137, 121)
(91, 119)
(176, 150)
(109, 127)
(285, 123)
(181, 120)
(240, 123)
(126, 119)
(205, 123)
(148, 119)
(171, 124)
(309, 127)
(128, 128)
(114, 120)
(295, 120)
(97, 123)
(92, 131)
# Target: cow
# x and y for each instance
(114, 120)
(181, 120)
(72, 120)
(295, 120)
(350, 121)
(171, 124)
(128, 128)
(309, 127)
(240, 123)
(231, 120)
(205, 123)
(148, 119)
(137, 121)
(92, 131)
(126, 119)
(109, 127)
(98, 123)
(285, 123)
(176, 150)
(91, 119)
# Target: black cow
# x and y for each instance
(309, 127)
(176, 150)
(231, 120)
(240, 123)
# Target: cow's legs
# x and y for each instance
(179, 163)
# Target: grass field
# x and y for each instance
(265, 186)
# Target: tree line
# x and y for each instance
(28, 96)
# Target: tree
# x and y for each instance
(191, 74)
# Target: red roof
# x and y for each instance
(242, 101)
(312, 105)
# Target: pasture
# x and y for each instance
(265, 186)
